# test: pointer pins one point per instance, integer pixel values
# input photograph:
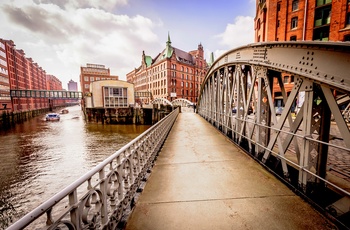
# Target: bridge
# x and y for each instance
(232, 168)
(50, 94)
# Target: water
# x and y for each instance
(40, 158)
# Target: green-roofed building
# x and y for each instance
(172, 74)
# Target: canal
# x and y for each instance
(40, 158)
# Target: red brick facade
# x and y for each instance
(300, 20)
(91, 73)
(20, 72)
(172, 74)
(288, 20)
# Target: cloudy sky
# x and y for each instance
(62, 35)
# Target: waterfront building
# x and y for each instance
(21, 73)
(5, 99)
(91, 73)
(300, 20)
(110, 101)
(172, 74)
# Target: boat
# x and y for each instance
(64, 111)
(52, 117)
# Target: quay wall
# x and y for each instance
(130, 115)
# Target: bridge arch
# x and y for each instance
(181, 102)
(161, 101)
(276, 100)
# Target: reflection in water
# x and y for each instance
(40, 158)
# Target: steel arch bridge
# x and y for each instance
(161, 101)
(300, 143)
(181, 102)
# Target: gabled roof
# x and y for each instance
(183, 56)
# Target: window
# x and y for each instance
(86, 78)
(348, 18)
(347, 38)
(294, 23)
(323, 16)
(291, 78)
(278, 6)
(293, 38)
(91, 78)
(286, 79)
(295, 4)
(321, 34)
(115, 97)
(322, 2)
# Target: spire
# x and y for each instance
(212, 57)
(169, 41)
(168, 48)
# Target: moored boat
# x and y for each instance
(64, 111)
(52, 117)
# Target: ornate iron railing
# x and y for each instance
(104, 195)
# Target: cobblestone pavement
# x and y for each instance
(338, 160)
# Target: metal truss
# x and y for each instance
(301, 142)
(161, 101)
(181, 102)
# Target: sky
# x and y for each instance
(63, 35)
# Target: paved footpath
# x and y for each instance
(202, 181)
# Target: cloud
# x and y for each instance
(240, 33)
(66, 39)
(106, 5)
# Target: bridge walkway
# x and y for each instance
(202, 181)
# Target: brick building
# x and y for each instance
(172, 74)
(5, 99)
(91, 73)
(22, 73)
(300, 20)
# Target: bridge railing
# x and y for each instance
(285, 104)
(104, 195)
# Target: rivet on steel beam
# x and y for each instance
(342, 80)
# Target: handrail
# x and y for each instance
(119, 177)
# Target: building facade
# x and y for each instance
(91, 73)
(72, 85)
(21, 73)
(172, 74)
(300, 20)
(5, 99)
